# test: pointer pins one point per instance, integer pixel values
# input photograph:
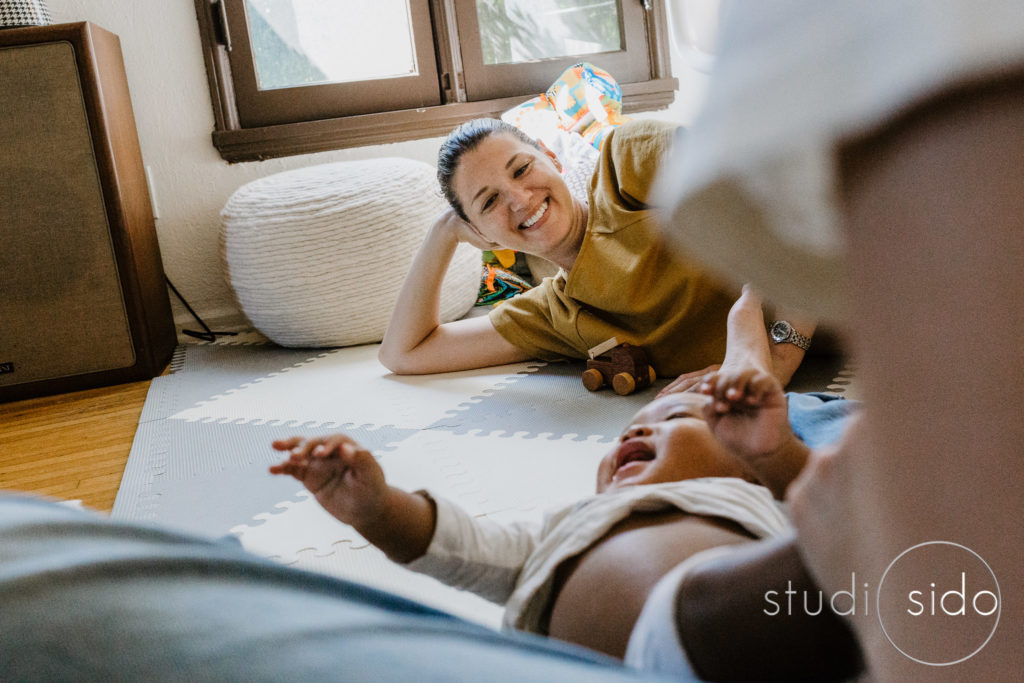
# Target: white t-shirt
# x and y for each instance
(515, 563)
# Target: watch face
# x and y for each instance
(780, 331)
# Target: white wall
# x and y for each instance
(171, 99)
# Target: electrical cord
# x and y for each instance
(207, 334)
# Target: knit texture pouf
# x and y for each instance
(316, 256)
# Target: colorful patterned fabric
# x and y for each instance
(498, 284)
(506, 257)
(585, 100)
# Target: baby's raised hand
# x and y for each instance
(735, 389)
(749, 415)
(344, 477)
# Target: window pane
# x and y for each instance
(300, 42)
(514, 31)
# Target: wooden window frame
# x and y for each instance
(257, 108)
(237, 142)
(493, 81)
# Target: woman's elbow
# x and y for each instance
(404, 362)
(394, 361)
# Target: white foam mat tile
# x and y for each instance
(293, 527)
(513, 478)
(349, 386)
(299, 533)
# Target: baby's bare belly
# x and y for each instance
(600, 592)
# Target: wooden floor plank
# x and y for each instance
(71, 446)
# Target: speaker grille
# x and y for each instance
(61, 305)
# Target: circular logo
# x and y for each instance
(938, 603)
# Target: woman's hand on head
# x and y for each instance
(462, 231)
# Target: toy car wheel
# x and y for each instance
(592, 379)
(623, 383)
(651, 373)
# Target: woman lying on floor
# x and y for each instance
(616, 278)
(693, 476)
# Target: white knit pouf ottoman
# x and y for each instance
(316, 256)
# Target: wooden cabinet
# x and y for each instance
(83, 301)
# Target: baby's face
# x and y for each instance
(667, 440)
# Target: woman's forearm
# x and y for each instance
(786, 358)
(416, 315)
(416, 342)
(747, 344)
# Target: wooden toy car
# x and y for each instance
(624, 366)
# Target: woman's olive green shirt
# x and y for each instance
(626, 283)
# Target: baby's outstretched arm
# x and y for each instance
(749, 415)
(347, 481)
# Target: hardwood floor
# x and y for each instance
(72, 445)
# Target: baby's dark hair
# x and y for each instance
(461, 140)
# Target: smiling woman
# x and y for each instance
(615, 277)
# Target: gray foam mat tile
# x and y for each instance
(549, 402)
(196, 468)
(822, 373)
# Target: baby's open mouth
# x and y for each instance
(532, 220)
(632, 451)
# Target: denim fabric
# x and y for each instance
(819, 419)
(84, 598)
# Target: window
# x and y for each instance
(297, 76)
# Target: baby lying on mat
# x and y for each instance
(691, 472)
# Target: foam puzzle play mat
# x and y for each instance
(506, 442)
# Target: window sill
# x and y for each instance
(268, 142)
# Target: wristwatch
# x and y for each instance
(782, 332)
